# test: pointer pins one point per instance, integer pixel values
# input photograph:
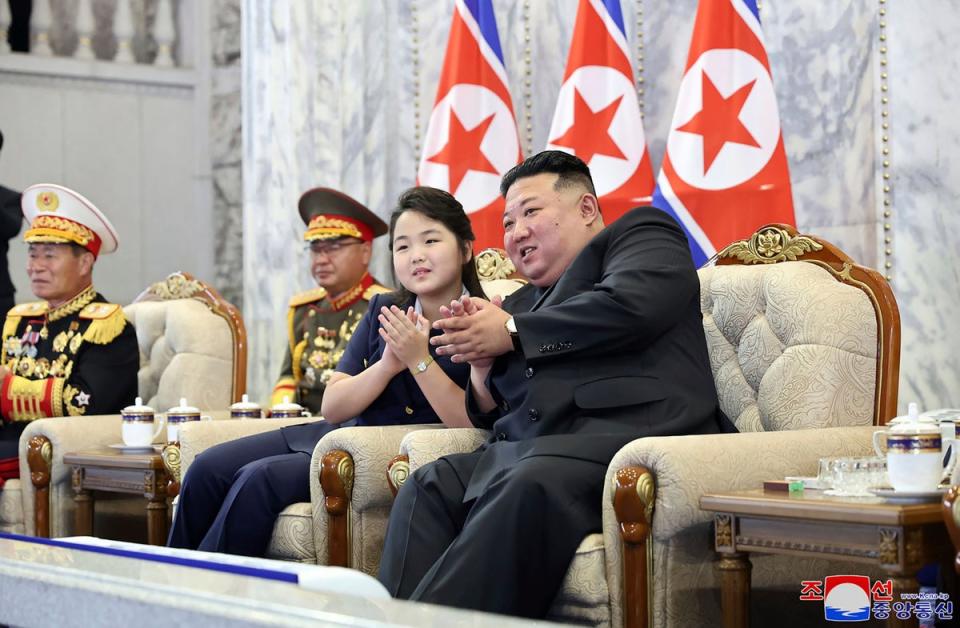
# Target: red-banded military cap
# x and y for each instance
(60, 215)
(331, 214)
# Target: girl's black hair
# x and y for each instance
(444, 208)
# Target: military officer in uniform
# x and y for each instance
(71, 353)
(320, 321)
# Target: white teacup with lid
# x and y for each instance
(914, 452)
(137, 428)
(288, 409)
(178, 415)
(246, 409)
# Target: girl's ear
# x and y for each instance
(467, 251)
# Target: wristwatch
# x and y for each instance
(511, 326)
(422, 365)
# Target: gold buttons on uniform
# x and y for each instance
(408, 410)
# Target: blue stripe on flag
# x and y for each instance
(613, 8)
(482, 11)
(699, 257)
(752, 5)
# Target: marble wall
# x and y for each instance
(337, 92)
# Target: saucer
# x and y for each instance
(909, 496)
(136, 449)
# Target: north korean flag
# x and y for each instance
(472, 137)
(598, 116)
(725, 170)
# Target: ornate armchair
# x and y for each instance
(192, 344)
(804, 346)
(345, 521)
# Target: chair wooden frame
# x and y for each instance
(635, 487)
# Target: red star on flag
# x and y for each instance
(462, 151)
(718, 120)
(584, 137)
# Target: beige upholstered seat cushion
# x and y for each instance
(292, 537)
(790, 346)
(185, 351)
(583, 596)
(11, 507)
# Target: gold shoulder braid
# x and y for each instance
(106, 322)
(72, 306)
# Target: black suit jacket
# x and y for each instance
(613, 351)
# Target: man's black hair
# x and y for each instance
(1, 140)
(570, 168)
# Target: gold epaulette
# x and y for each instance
(374, 290)
(37, 308)
(307, 297)
(17, 312)
(106, 322)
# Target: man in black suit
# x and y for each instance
(605, 345)
(10, 222)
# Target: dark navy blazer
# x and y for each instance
(401, 402)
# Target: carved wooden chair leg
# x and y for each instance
(397, 471)
(171, 462)
(336, 480)
(39, 455)
(633, 499)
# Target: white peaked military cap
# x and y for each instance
(58, 214)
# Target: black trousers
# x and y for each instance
(506, 551)
(233, 493)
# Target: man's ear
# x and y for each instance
(367, 248)
(590, 209)
(86, 263)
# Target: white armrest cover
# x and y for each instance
(371, 449)
(424, 447)
(198, 436)
(687, 467)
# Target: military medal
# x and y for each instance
(26, 365)
(60, 341)
(42, 368)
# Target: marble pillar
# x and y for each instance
(225, 149)
(924, 220)
(337, 92)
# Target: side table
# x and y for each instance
(899, 538)
(114, 471)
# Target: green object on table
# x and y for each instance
(795, 486)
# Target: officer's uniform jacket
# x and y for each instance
(319, 329)
(75, 359)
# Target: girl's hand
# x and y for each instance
(406, 334)
(389, 360)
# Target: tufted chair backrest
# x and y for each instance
(192, 345)
(799, 336)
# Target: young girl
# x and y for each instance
(388, 375)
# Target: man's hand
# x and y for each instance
(473, 331)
